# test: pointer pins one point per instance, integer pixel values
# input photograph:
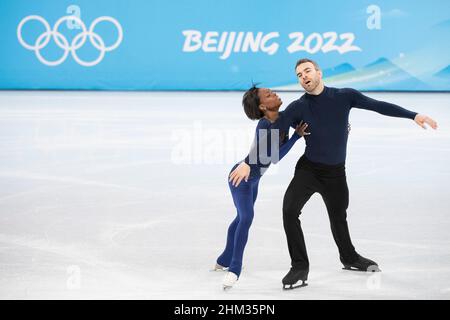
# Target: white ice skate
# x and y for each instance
(218, 267)
(229, 280)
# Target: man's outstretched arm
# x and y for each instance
(389, 109)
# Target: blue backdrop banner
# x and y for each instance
(223, 45)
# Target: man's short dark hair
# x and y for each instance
(251, 103)
(304, 60)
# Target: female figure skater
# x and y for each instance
(262, 104)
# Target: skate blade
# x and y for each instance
(360, 270)
(219, 270)
(293, 286)
(227, 288)
(214, 269)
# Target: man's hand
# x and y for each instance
(421, 119)
(301, 129)
(242, 171)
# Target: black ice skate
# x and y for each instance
(290, 281)
(361, 264)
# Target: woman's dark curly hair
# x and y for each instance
(251, 103)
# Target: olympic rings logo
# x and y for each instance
(77, 42)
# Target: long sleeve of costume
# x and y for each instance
(289, 117)
(358, 100)
(285, 147)
(262, 152)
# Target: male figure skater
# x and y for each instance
(322, 167)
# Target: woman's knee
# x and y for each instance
(246, 220)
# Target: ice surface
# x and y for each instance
(124, 195)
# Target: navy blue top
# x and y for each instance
(263, 152)
(327, 117)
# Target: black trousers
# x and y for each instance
(330, 182)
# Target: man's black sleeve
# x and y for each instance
(360, 101)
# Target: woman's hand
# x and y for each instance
(242, 171)
(301, 129)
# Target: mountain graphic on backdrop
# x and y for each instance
(381, 74)
(379, 61)
(444, 73)
(339, 69)
(443, 24)
(392, 76)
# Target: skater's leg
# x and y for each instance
(301, 188)
(255, 192)
(336, 197)
(225, 258)
(244, 199)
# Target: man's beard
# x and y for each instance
(312, 87)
